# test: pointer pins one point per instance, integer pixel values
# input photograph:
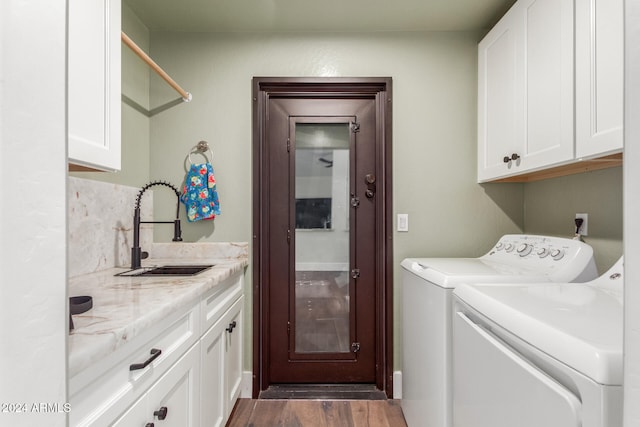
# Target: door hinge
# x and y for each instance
(355, 347)
(288, 328)
(355, 201)
(355, 127)
(288, 236)
(355, 273)
(288, 145)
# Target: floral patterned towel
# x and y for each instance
(199, 193)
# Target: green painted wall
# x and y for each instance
(434, 132)
(434, 140)
(550, 207)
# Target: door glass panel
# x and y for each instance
(322, 208)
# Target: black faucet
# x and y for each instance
(136, 253)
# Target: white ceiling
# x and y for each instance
(318, 15)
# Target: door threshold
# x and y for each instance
(323, 392)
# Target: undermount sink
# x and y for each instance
(168, 270)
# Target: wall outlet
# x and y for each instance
(584, 228)
(403, 222)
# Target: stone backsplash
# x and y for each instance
(100, 224)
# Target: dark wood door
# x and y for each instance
(322, 252)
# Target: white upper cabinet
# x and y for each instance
(599, 77)
(548, 126)
(525, 90)
(499, 97)
(94, 84)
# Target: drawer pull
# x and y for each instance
(154, 355)
(149, 425)
(161, 413)
(232, 325)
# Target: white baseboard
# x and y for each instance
(246, 388)
(397, 384)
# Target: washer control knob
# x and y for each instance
(542, 253)
(509, 247)
(500, 246)
(557, 254)
(524, 249)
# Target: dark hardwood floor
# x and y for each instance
(316, 413)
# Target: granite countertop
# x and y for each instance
(124, 307)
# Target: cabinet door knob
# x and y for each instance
(149, 425)
(513, 157)
(232, 325)
(161, 413)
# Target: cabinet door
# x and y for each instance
(173, 400)
(548, 136)
(233, 355)
(222, 366)
(599, 77)
(94, 83)
(178, 392)
(212, 412)
(525, 90)
(500, 96)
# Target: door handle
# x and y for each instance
(370, 180)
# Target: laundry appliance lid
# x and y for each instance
(450, 272)
(580, 325)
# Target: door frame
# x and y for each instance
(323, 87)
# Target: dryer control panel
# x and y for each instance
(555, 256)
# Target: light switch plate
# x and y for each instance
(403, 222)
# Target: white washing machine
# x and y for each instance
(428, 285)
(539, 355)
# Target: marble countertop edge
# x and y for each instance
(125, 307)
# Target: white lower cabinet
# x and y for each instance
(233, 356)
(173, 401)
(194, 380)
(221, 367)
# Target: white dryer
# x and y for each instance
(427, 296)
(539, 355)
